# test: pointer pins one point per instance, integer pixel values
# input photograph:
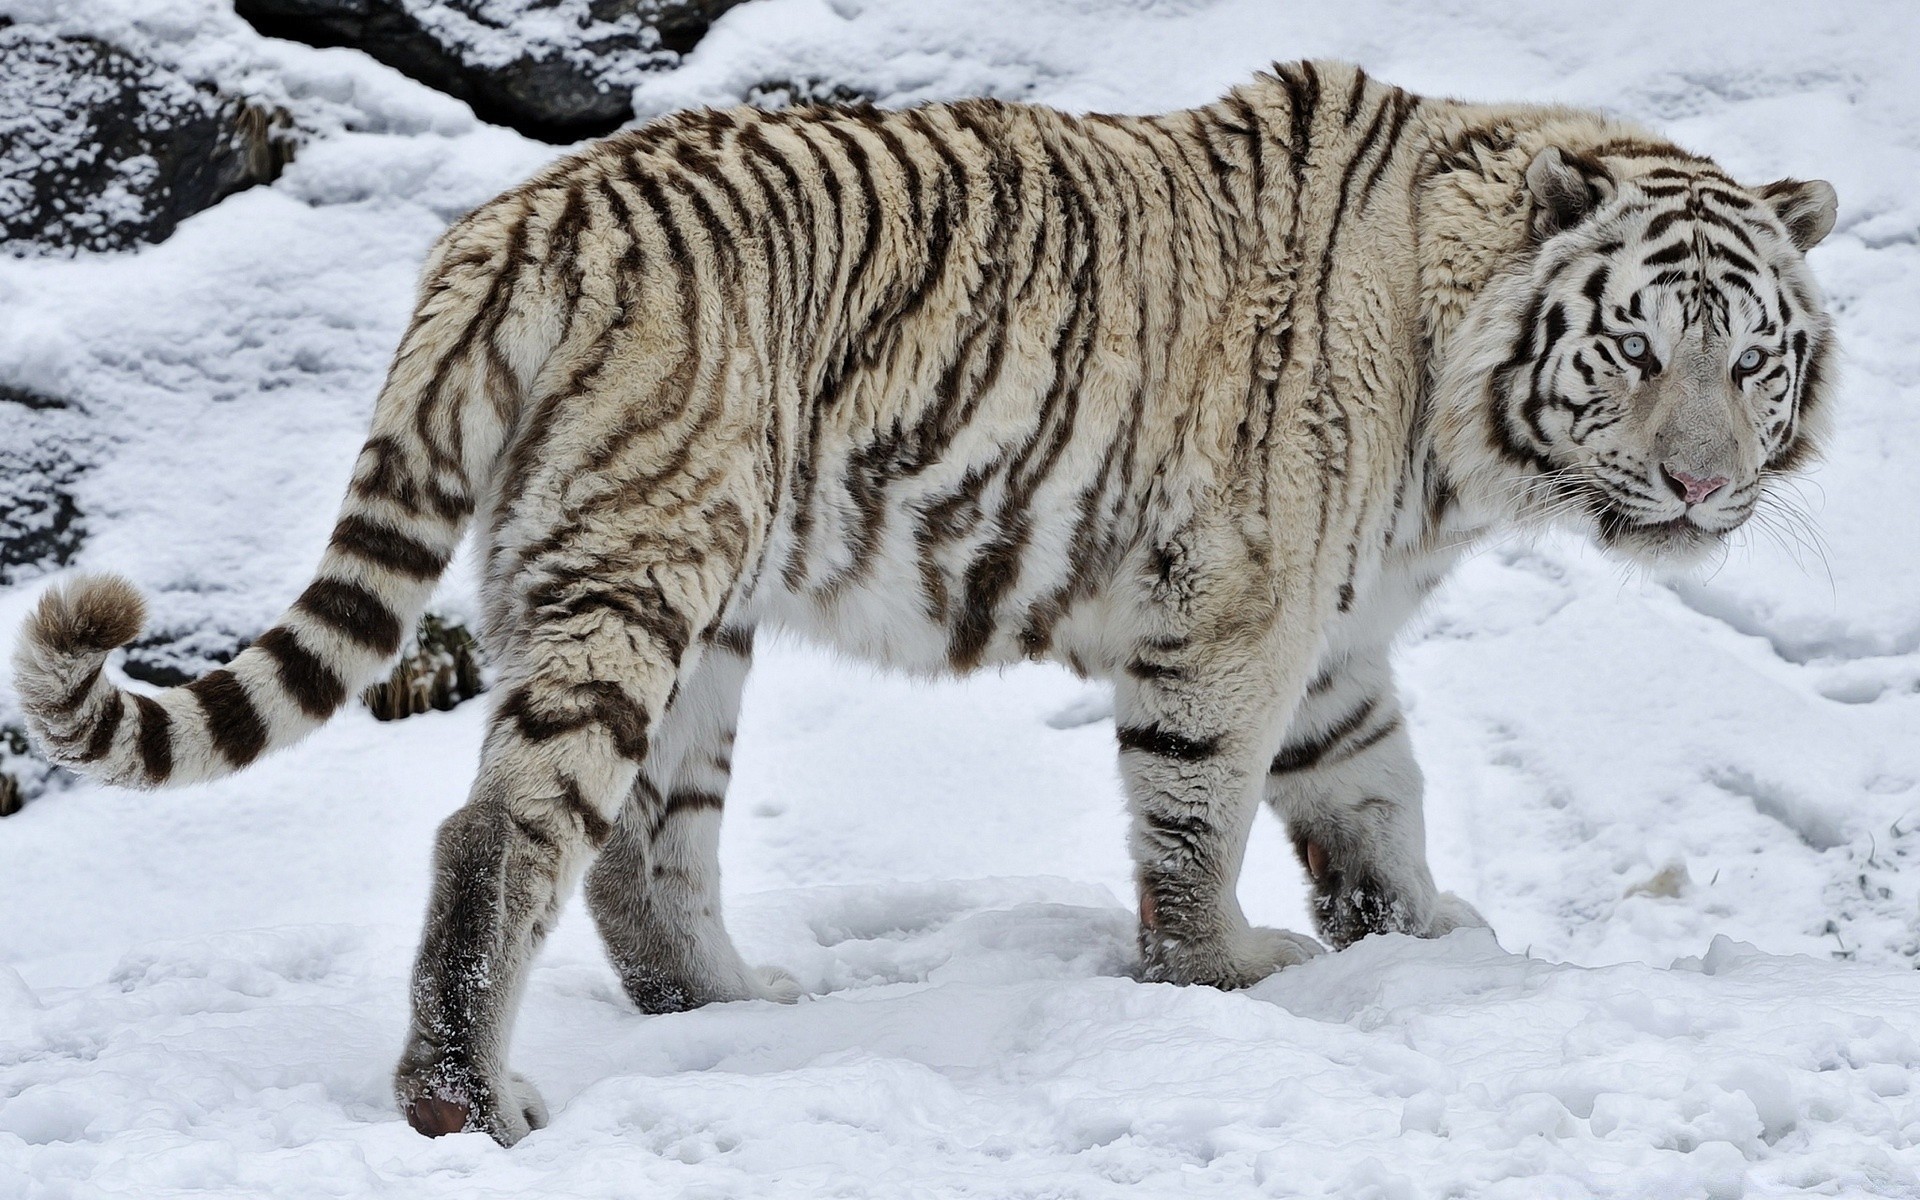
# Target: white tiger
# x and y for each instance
(1201, 403)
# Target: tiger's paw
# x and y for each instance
(1450, 912)
(1228, 963)
(441, 1105)
(777, 984)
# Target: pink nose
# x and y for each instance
(1692, 488)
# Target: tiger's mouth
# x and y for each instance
(1672, 542)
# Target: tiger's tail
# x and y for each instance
(455, 388)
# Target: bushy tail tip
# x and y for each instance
(56, 665)
(88, 615)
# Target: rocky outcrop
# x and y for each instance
(171, 657)
(101, 150)
(22, 772)
(558, 70)
(41, 456)
(438, 670)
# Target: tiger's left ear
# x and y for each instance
(1806, 207)
(1566, 188)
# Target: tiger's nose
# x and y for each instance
(1691, 488)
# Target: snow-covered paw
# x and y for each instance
(777, 984)
(529, 1102)
(1268, 950)
(1234, 962)
(506, 1112)
(1450, 912)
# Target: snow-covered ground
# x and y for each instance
(1691, 810)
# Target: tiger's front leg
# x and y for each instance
(1346, 783)
(1197, 726)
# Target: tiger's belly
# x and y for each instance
(941, 583)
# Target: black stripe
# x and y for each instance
(737, 638)
(387, 547)
(1593, 289)
(1367, 741)
(233, 722)
(592, 823)
(533, 832)
(1190, 831)
(67, 704)
(1736, 260)
(872, 211)
(1323, 683)
(1730, 199)
(304, 677)
(353, 612)
(383, 473)
(1303, 96)
(1739, 235)
(1165, 743)
(1403, 105)
(1662, 222)
(485, 320)
(597, 702)
(642, 606)
(104, 729)
(1354, 95)
(155, 742)
(1322, 366)
(1146, 671)
(684, 800)
(1307, 754)
(1255, 136)
(1633, 147)
(1554, 329)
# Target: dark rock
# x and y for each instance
(438, 671)
(22, 772)
(42, 454)
(100, 150)
(26, 397)
(799, 93)
(169, 658)
(557, 70)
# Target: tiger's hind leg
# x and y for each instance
(602, 626)
(655, 889)
(1346, 783)
(563, 746)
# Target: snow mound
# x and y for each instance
(985, 1058)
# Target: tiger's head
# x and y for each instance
(1652, 360)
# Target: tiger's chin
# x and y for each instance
(1678, 544)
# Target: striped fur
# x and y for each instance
(1204, 403)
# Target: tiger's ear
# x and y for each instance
(1806, 207)
(1566, 188)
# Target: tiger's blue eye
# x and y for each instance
(1634, 347)
(1751, 359)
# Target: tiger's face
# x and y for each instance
(1661, 360)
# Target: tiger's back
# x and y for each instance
(1002, 389)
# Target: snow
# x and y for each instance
(1689, 808)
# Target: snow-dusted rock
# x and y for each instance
(558, 70)
(101, 150)
(40, 525)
